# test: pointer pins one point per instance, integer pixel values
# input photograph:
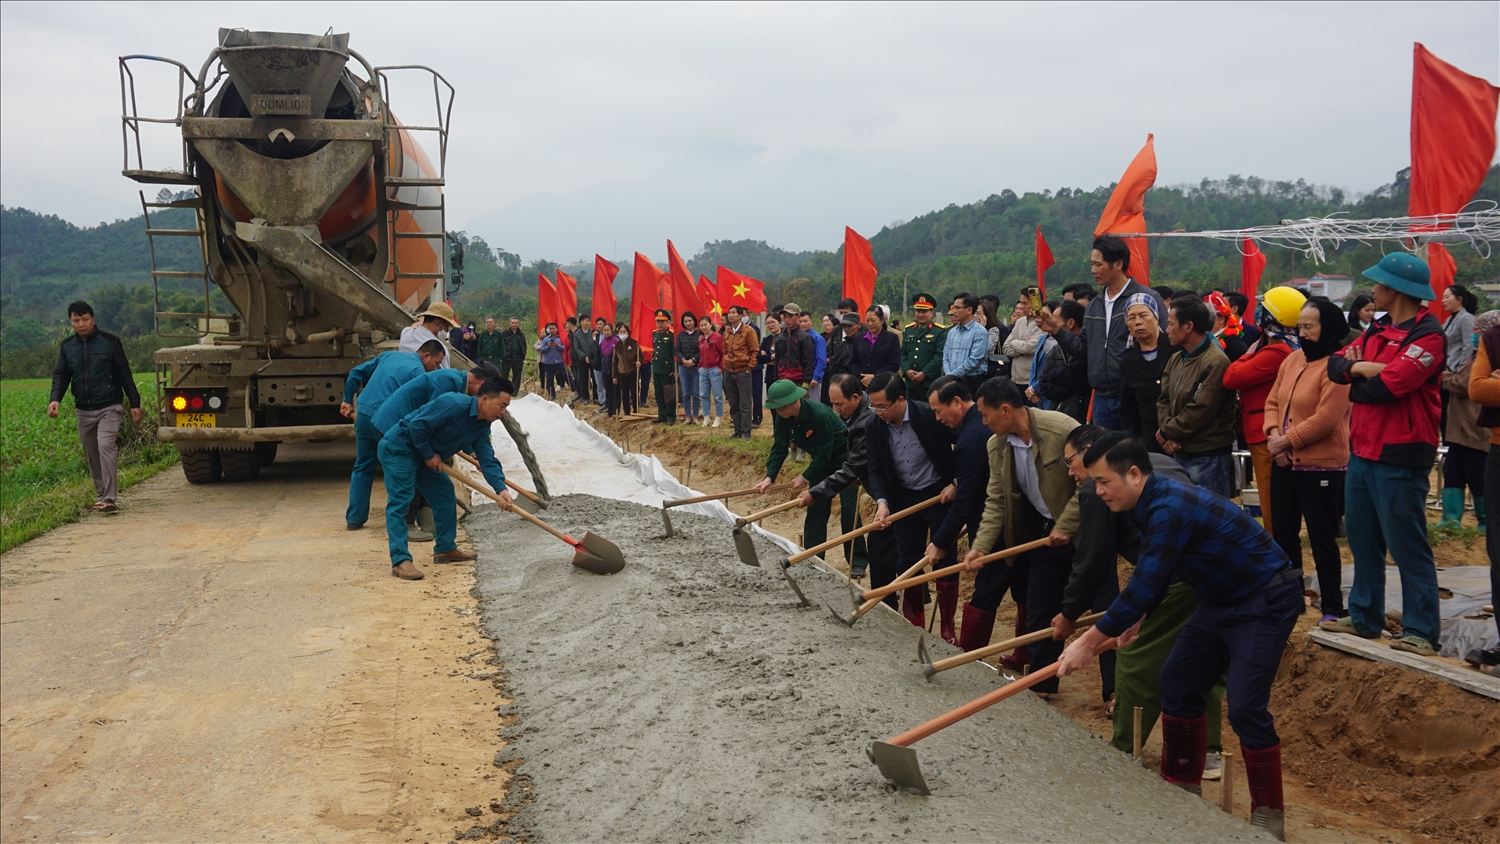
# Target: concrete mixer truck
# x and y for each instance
(318, 216)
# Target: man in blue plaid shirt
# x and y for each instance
(1250, 596)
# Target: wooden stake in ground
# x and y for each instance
(1226, 784)
(1135, 721)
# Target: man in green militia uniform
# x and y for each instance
(817, 430)
(922, 346)
(662, 366)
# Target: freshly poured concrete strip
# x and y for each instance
(688, 698)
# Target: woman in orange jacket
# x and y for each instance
(1484, 389)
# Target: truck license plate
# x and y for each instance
(197, 420)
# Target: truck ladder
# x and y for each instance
(206, 318)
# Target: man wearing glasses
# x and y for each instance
(966, 347)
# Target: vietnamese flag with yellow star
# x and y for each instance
(708, 296)
(742, 290)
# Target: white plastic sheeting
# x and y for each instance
(577, 459)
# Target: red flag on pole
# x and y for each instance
(603, 302)
(708, 295)
(859, 270)
(741, 290)
(645, 286)
(1252, 264)
(1452, 145)
(567, 295)
(546, 304)
(684, 291)
(1043, 260)
(1126, 210)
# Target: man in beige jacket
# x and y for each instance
(1030, 496)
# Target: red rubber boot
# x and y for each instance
(914, 605)
(947, 605)
(1263, 774)
(1016, 659)
(978, 625)
(1184, 744)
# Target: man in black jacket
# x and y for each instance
(841, 351)
(953, 405)
(910, 460)
(583, 350)
(93, 363)
(796, 356)
(847, 398)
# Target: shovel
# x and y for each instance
(898, 762)
(898, 585)
(743, 543)
(930, 668)
(529, 501)
(788, 562)
(856, 596)
(720, 496)
(593, 553)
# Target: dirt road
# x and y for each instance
(227, 662)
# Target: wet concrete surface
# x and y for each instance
(690, 697)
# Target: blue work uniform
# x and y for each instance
(380, 376)
(446, 425)
(417, 392)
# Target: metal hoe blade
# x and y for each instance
(598, 555)
(666, 521)
(848, 620)
(927, 669)
(899, 765)
(786, 573)
(744, 544)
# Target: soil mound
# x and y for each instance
(689, 697)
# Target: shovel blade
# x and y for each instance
(524, 503)
(786, 573)
(598, 555)
(666, 522)
(744, 545)
(899, 765)
(846, 620)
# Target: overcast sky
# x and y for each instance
(609, 128)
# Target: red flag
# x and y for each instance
(708, 295)
(546, 304)
(603, 302)
(684, 292)
(1252, 264)
(1126, 210)
(567, 296)
(1452, 145)
(742, 290)
(859, 270)
(1043, 260)
(644, 290)
(1442, 269)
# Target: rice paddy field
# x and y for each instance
(44, 481)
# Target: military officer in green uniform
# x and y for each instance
(817, 430)
(922, 346)
(661, 368)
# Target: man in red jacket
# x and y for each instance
(1393, 369)
(1254, 374)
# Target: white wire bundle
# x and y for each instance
(1478, 224)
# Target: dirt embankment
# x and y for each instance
(690, 697)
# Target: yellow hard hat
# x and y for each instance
(1283, 304)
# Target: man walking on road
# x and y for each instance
(412, 455)
(376, 380)
(92, 362)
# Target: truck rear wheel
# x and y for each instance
(201, 467)
(239, 465)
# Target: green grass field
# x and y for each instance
(44, 481)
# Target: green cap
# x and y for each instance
(1403, 273)
(783, 393)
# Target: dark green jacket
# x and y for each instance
(513, 345)
(922, 350)
(817, 430)
(662, 361)
(489, 346)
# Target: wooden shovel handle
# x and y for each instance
(870, 604)
(720, 496)
(948, 719)
(769, 511)
(1009, 644)
(517, 510)
(858, 532)
(508, 482)
(897, 586)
